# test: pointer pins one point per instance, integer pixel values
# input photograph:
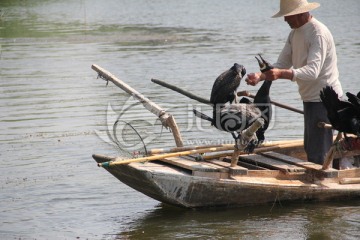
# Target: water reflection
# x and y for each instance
(300, 221)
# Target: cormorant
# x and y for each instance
(344, 116)
(262, 99)
(225, 85)
(235, 118)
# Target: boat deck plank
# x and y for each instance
(330, 173)
(245, 165)
(271, 163)
(237, 170)
(214, 168)
(194, 165)
(350, 173)
(292, 160)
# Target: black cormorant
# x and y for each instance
(344, 116)
(235, 118)
(225, 85)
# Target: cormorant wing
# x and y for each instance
(355, 101)
(224, 85)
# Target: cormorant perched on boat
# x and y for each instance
(262, 99)
(233, 117)
(225, 85)
(237, 117)
(344, 116)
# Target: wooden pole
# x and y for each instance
(244, 140)
(171, 123)
(247, 94)
(205, 101)
(181, 91)
(330, 154)
(166, 119)
(324, 125)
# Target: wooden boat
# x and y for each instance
(205, 176)
(267, 177)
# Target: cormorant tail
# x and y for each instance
(203, 116)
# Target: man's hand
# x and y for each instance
(270, 75)
(277, 73)
(273, 74)
(254, 78)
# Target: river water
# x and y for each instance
(55, 113)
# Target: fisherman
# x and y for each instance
(309, 59)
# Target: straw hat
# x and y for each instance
(293, 7)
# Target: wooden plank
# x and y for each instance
(349, 173)
(292, 160)
(271, 163)
(245, 165)
(191, 165)
(331, 172)
(350, 181)
(192, 157)
(216, 175)
(251, 166)
(265, 173)
(219, 163)
(236, 170)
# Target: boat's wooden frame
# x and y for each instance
(268, 177)
(203, 176)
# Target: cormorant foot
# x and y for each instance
(250, 147)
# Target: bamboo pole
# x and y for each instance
(186, 148)
(119, 161)
(166, 119)
(247, 94)
(257, 150)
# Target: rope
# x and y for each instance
(103, 78)
(134, 133)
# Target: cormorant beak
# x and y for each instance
(243, 71)
(263, 64)
(240, 69)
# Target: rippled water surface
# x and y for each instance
(55, 113)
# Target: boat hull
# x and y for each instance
(180, 188)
